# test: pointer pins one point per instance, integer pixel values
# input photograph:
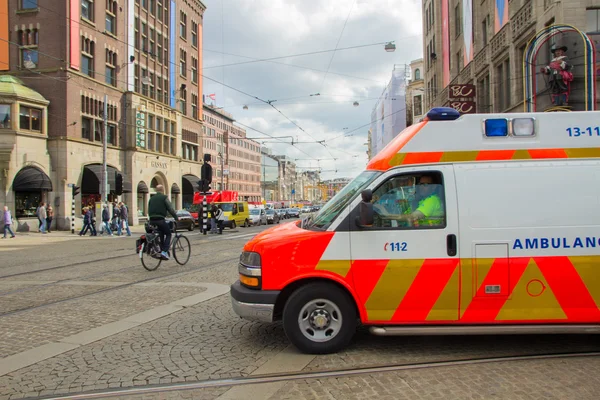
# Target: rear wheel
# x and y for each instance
(181, 250)
(150, 258)
(191, 228)
(319, 318)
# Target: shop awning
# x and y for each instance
(142, 187)
(127, 187)
(32, 179)
(92, 176)
(189, 183)
(175, 189)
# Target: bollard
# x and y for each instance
(204, 215)
(73, 216)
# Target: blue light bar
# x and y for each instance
(443, 114)
(496, 127)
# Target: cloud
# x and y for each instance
(258, 29)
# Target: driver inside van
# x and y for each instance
(429, 211)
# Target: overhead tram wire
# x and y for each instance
(336, 45)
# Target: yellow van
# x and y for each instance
(237, 213)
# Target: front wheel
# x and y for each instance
(181, 250)
(246, 223)
(319, 318)
(233, 226)
(191, 228)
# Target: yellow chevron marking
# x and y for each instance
(397, 159)
(446, 306)
(453, 156)
(587, 268)
(467, 282)
(481, 266)
(583, 153)
(531, 298)
(391, 288)
(340, 267)
(521, 155)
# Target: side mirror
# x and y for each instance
(365, 218)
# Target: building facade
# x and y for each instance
(415, 93)
(288, 179)
(127, 72)
(484, 44)
(270, 172)
(309, 187)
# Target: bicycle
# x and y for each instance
(148, 247)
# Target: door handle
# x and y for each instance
(451, 245)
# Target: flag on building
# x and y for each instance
(212, 96)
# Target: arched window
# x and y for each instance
(417, 74)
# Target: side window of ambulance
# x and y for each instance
(410, 201)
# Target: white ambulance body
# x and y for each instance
(512, 244)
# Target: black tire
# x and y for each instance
(181, 250)
(191, 228)
(330, 294)
(149, 262)
(246, 223)
(233, 225)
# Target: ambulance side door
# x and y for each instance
(403, 272)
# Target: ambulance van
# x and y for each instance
(473, 224)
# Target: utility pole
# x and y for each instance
(263, 179)
(104, 191)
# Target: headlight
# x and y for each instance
(250, 259)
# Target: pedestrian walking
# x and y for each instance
(213, 219)
(116, 219)
(49, 217)
(88, 223)
(7, 223)
(42, 215)
(220, 218)
(37, 214)
(105, 220)
(124, 218)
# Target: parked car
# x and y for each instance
(306, 209)
(194, 210)
(186, 221)
(272, 216)
(258, 216)
(294, 213)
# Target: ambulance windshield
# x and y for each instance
(334, 206)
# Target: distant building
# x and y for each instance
(270, 170)
(415, 93)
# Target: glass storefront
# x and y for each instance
(141, 204)
(26, 203)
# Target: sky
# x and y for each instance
(242, 31)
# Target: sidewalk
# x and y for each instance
(28, 239)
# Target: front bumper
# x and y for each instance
(252, 304)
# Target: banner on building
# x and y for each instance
(462, 98)
(500, 14)
(467, 27)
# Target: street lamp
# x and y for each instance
(355, 104)
(245, 107)
(390, 47)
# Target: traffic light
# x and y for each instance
(203, 186)
(75, 190)
(118, 184)
(206, 172)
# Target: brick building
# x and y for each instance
(485, 42)
(145, 57)
(236, 159)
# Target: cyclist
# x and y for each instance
(158, 208)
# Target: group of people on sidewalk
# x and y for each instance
(217, 217)
(117, 222)
(45, 215)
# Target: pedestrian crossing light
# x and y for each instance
(75, 190)
(118, 183)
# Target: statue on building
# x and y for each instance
(560, 76)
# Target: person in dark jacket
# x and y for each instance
(87, 223)
(158, 208)
(124, 218)
(106, 219)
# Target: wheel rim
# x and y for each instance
(320, 320)
(181, 250)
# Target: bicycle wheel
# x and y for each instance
(181, 250)
(150, 260)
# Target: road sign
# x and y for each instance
(293, 191)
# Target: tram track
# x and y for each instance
(309, 375)
(117, 287)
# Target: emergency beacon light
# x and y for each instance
(443, 114)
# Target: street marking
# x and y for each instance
(32, 356)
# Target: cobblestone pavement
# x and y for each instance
(208, 341)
